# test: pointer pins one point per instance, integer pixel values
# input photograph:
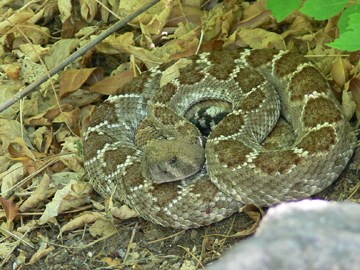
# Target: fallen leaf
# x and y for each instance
(102, 228)
(124, 212)
(71, 80)
(112, 84)
(38, 195)
(10, 208)
(80, 221)
(340, 71)
(71, 196)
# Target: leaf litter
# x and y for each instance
(50, 214)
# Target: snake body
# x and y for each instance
(141, 148)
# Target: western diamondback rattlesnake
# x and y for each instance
(141, 148)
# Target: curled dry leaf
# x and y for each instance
(71, 80)
(19, 150)
(43, 251)
(256, 214)
(112, 84)
(60, 50)
(8, 90)
(113, 263)
(348, 104)
(257, 38)
(10, 208)
(28, 227)
(88, 9)
(10, 177)
(16, 18)
(183, 14)
(38, 196)
(340, 71)
(123, 213)
(12, 70)
(71, 196)
(47, 117)
(9, 130)
(81, 220)
(102, 227)
(151, 21)
(354, 87)
(42, 139)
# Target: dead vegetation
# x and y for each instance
(50, 217)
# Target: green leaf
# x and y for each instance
(348, 41)
(344, 21)
(355, 21)
(282, 8)
(323, 9)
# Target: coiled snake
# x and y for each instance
(141, 147)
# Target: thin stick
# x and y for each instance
(31, 87)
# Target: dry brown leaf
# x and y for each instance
(256, 214)
(39, 195)
(340, 71)
(257, 39)
(73, 161)
(28, 227)
(40, 254)
(35, 33)
(8, 90)
(354, 87)
(10, 177)
(124, 43)
(123, 213)
(16, 18)
(12, 70)
(183, 14)
(9, 130)
(157, 23)
(42, 139)
(18, 150)
(253, 10)
(217, 22)
(71, 196)
(60, 50)
(71, 80)
(10, 208)
(112, 84)
(47, 117)
(102, 227)
(80, 221)
(65, 8)
(33, 51)
(88, 9)
(44, 249)
(71, 118)
(116, 44)
(299, 27)
(153, 20)
(113, 262)
(348, 104)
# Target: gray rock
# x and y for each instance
(310, 234)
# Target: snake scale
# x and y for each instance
(143, 145)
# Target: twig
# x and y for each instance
(31, 87)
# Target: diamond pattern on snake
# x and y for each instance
(187, 145)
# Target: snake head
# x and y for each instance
(171, 160)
